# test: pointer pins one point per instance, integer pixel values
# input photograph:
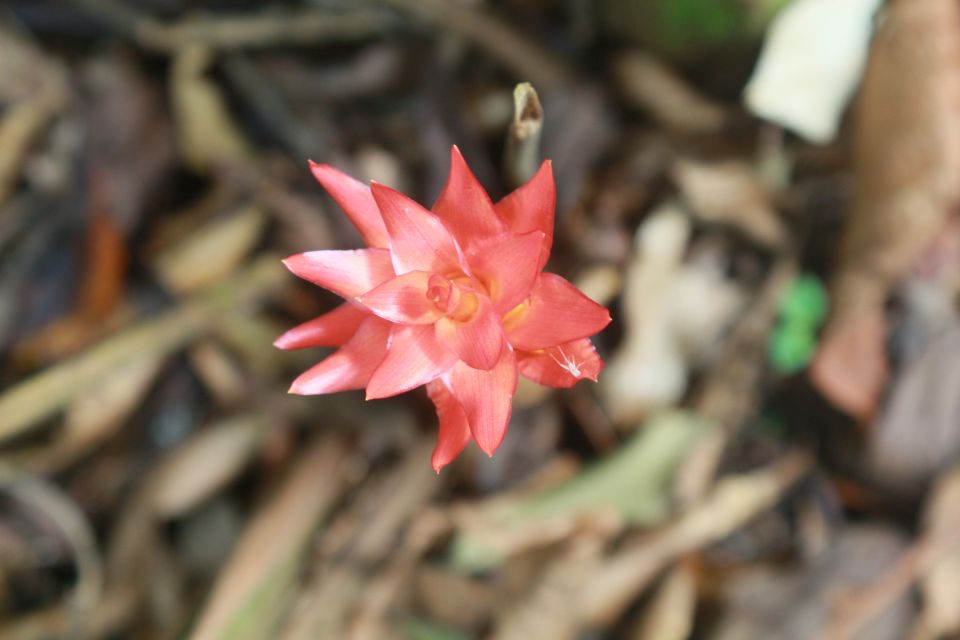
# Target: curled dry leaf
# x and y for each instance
(648, 371)
(906, 163)
(674, 313)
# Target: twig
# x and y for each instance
(522, 155)
(731, 391)
(43, 394)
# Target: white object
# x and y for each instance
(811, 63)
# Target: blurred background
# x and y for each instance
(763, 192)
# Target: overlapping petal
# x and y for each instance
(357, 202)
(556, 312)
(478, 340)
(531, 208)
(350, 366)
(414, 357)
(419, 241)
(464, 205)
(454, 428)
(346, 273)
(486, 398)
(561, 366)
(331, 329)
(403, 299)
(507, 265)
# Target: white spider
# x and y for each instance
(569, 364)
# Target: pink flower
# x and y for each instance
(453, 299)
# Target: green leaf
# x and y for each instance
(805, 301)
(635, 481)
(791, 347)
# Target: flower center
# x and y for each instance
(452, 297)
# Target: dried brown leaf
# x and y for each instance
(249, 597)
(906, 163)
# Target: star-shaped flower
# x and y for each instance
(453, 298)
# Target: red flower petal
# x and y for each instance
(331, 329)
(486, 398)
(419, 241)
(531, 208)
(414, 357)
(403, 299)
(350, 366)
(508, 265)
(454, 429)
(479, 340)
(357, 202)
(556, 312)
(561, 366)
(346, 273)
(465, 206)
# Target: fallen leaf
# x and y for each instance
(906, 162)
(249, 597)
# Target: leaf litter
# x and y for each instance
(739, 471)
